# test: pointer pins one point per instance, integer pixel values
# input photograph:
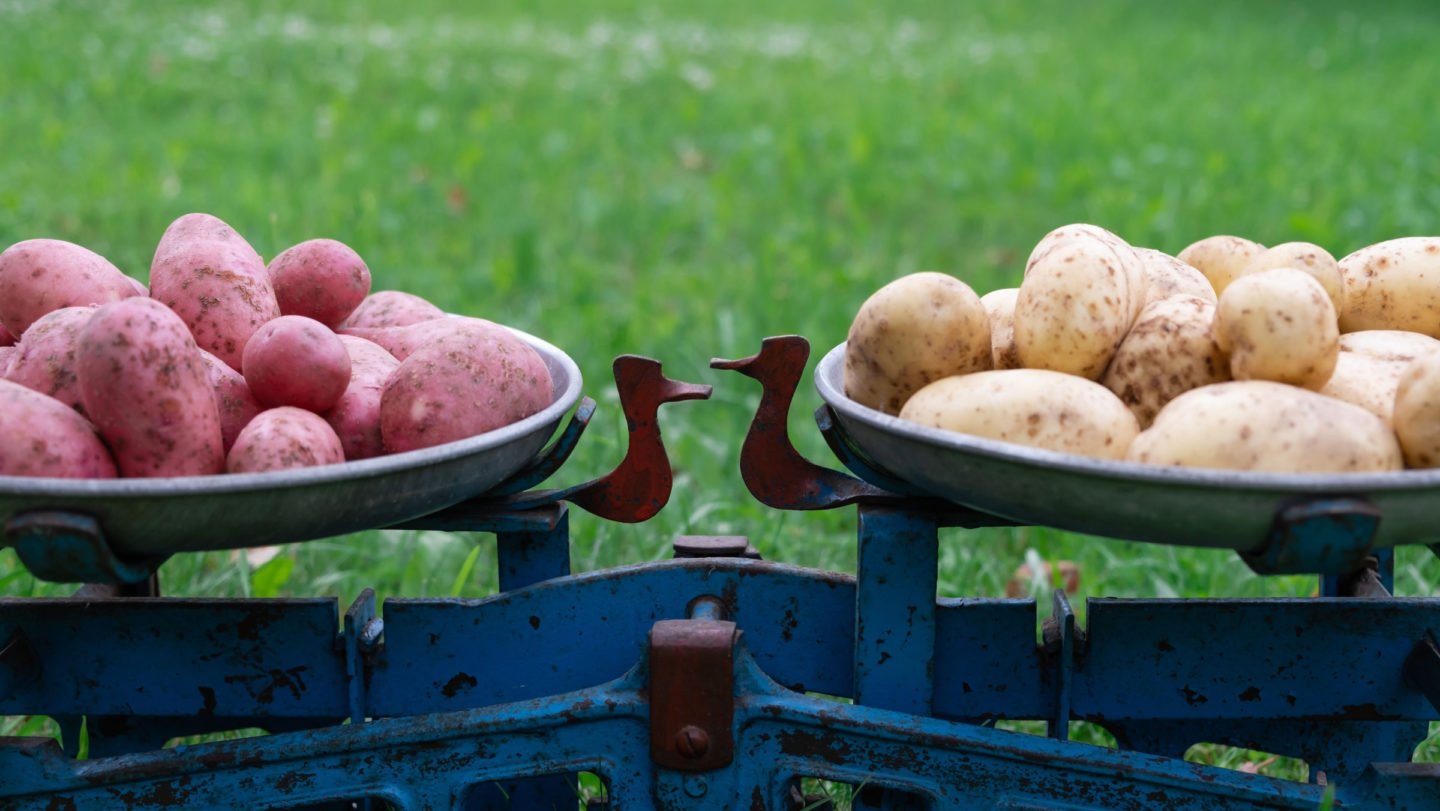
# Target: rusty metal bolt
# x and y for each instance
(692, 742)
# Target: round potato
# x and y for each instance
(145, 387)
(1168, 352)
(296, 361)
(321, 279)
(1076, 304)
(41, 436)
(1257, 425)
(1278, 325)
(1033, 407)
(211, 277)
(45, 357)
(1166, 276)
(1393, 285)
(1417, 411)
(913, 331)
(1308, 257)
(1000, 309)
(391, 308)
(1221, 258)
(1368, 370)
(39, 276)
(284, 438)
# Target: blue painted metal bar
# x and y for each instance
(895, 610)
(1060, 650)
(527, 558)
(64, 547)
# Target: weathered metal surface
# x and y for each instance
(895, 611)
(146, 517)
(1422, 670)
(710, 546)
(435, 762)
(1190, 506)
(68, 547)
(1332, 536)
(692, 694)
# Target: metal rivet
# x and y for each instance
(692, 742)
(696, 786)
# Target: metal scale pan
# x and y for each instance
(150, 517)
(1185, 506)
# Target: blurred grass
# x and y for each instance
(681, 180)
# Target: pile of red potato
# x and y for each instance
(226, 364)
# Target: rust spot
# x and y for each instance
(1193, 698)
(293, 780)
(461, 681)
(830, 748)
(534, 622)
(1252, 694)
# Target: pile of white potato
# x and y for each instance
(1230, 355)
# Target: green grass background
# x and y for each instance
(682, 179)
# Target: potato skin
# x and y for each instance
(211, 277)
(1094, 233)
(1417, 411)
(1076, 304)
(7, 353)
(296, 361)
(45, 357)
(1368, 370)
(1000, 308)
(41, 436)
(401, 341)
(356, 416)
(323, 279)
(145, 387)
(1222, 259)
(6, 339)
(1167, 276)
(1308, 257)
(237, 406)
(391, 308)
(39, 276)
(1033, 407)
(914, 330)
(459, 385)
(282, 439)
(1278, 325)
(1258, 425)
(1393, 285)
(1168, 352)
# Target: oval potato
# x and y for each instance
(1076, 304)
(1033, 407)
(391, 308)
(913, 331)
(1308, 257)
(39, 276)
(1278, 325)
(1168, 352)
(356, 417)
(41, 436)
(1220, 258)
(1368, 369)
(1258, 425)
(1393, 285)
(1417, 411)
(282, 439)
(1084, 231)
(1000, 309)
(233, 399)
(45, 357)
(323, 279)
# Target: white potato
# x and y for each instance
(1258, 425)
(1278, 325)
(1168, 352)
(1417, 411)
(1000, 308)
(914, 330)
(1084, 231)
(1368, 370)
(1221, 258)
(1076, 304)
(1308, 257)
(1393, 285)
(1166, 276)
(1033, 407)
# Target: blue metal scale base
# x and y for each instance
(718, 680)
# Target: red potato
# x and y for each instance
(211, 277)
(232, 397)
(41, 436)
(145, 386)
(6, 339)
(140, 289)
(38, 276)
(7, 353)
(401, 342)
(321, 279)
(460, 385)
(45, 357)
(391, 308)
(296, 361)
(284, 438)
(356, 417)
